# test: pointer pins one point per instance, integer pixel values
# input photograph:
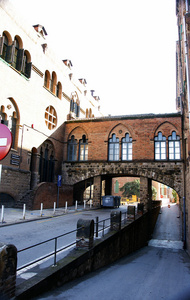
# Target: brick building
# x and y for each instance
(145, 146)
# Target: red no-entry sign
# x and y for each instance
(5, 140)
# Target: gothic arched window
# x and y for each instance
(72, 149)
(174, 146)
(83, 148)
(160, 147)
(113, 152)
(126, 150)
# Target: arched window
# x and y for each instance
(47, 79)
(75, 108)
(72, 149)
(83, 148)
(113, 148)
(160, 147)
(4, 43)
(126, 150)
(14, 54)
(53, 82)
(174, 146)
(59, 90)
(47, 162)
(26, 65)
(16, 48)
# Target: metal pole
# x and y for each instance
(55, 252)
(76, 205)
(103, 228)
(54, 206)
(66, 207)
(84, 204)
(24, 211)
(57, 196)
(2, 214)
(97, 220)
(41, 210)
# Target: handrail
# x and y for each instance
(97, 230)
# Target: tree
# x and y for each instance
(131, 188)
(154, 193)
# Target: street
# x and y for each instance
(30, 233)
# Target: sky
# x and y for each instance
(126, 50)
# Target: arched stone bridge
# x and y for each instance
(145, 146)
(80, 174)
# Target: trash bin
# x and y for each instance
(117, 200)
(108, 201)
(111, 201)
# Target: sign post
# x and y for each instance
(5, 141)
(59, 178)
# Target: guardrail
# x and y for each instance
(100, 227)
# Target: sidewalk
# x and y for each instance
(15, 215)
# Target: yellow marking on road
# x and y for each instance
(53, 217)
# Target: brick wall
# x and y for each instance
(142, 129)
(14, 182)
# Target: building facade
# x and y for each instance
(58, 128)
(39, 92)
(183, 100)
(145, 146)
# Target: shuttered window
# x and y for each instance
(15, 56)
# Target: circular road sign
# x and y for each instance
(5, 140)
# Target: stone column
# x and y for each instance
(115, 220)
(97, 191)
(8, 266)
(85, 233)
(146, 192)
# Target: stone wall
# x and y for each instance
(8, 265)
(168, 173)
(47, 194)
(14, 182)
(115, 245)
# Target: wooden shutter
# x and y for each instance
(23, 64)
(2, 38)
(10, 53)
(19, 62)
(28, 69)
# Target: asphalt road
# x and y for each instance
(159, 271)
(30, 233)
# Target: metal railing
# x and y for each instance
(99, 231)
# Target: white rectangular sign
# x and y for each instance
(3, 142)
